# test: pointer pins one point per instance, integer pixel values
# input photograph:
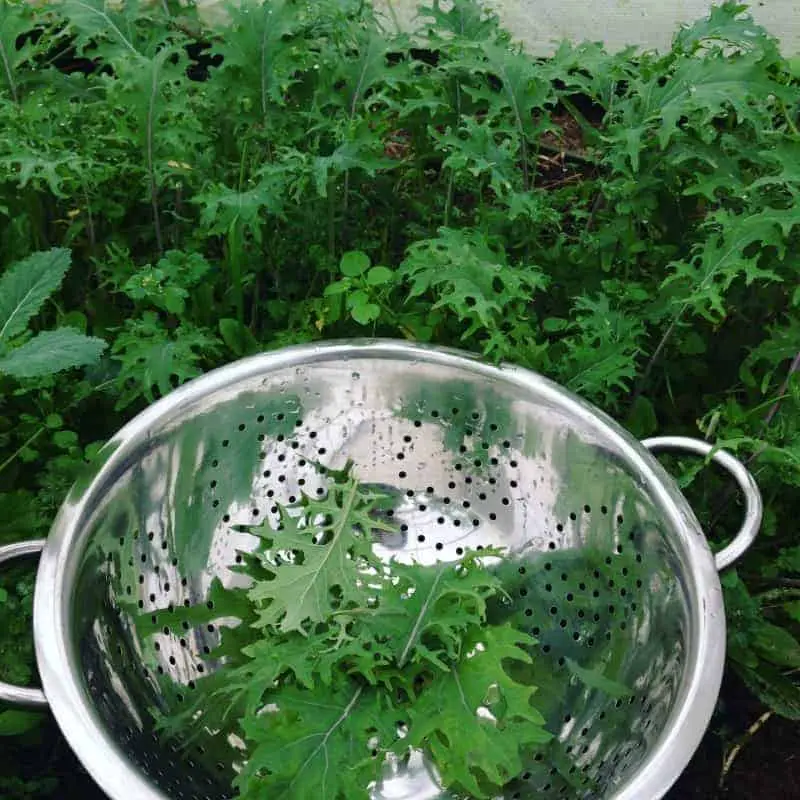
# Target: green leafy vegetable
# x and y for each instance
(193, 185)
(318, 744)
(322, 573)
(24, 288)
(353, 651)
(475, 718)
(51, 352)
(26, 285)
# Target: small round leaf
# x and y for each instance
(354, 263)
(378, 276)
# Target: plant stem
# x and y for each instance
(774, 597)
(789, 121)
(448, 204)
(353, 108)
(150, 160)
(242, 162)
(30, 440)
(9, 73)
(331, 220)
(781, 392)
(770, 415)
(448, 201)
(523, 140)
(254, 303)
(235, 266)
(236, 245)
(737, 748)
(597, 205)
(90, 220)
(642, 382)
(176, 232)
(263, 70)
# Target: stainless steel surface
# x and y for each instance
(611, 563)
(26, 697)
(754, 507)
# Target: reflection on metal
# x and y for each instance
(610, 570)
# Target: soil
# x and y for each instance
(767, 765)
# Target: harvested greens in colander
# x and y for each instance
(505, 596)
(348, 665)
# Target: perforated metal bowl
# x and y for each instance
(611, 571)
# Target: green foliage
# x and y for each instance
(323, 574)
(467, 750)
(626, 224)
(297, 745)
(466, 277)
(24, 288)
(167, 285)
(51, 351)
(16, 650)
(151, 355)
(349, 652)
(362, 286)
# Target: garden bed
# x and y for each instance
(626, 224)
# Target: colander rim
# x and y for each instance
(58, 663)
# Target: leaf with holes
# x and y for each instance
(703, 88)
(343, 648)
(328, 743)
(307, 661)
(475, 719)
(423, 613)
(603, 349)
(516, 108)
(224, 206)
(358, 71)
(258, 56)
(464, 275)
(726, 24)
(361, 151)
(12, 25)
(316, 557)
(725, 257)
(151, 357)
(474, 147)
(290, 658)
(466, 19)
(111, 31)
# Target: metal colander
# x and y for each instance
(610, 571)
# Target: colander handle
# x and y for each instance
(754, 507)
(20, 695)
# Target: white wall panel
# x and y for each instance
(647, 23)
